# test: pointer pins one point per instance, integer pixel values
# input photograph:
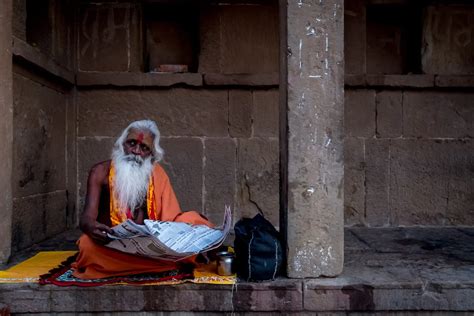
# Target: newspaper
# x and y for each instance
(170, 241)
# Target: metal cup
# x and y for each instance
(224, 263)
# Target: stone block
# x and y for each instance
(210, 39)
(249, 38)
(19, 19)
(355, 80)
(389, 114)
(178, 112)
(266, 113)
(183, 162)
(377, 158)
(240, 113)
(63, 41)
(460, 209)
(219, 177)
(38, 217)
(432, 114)
(281, 295)
(354, 181)
(39, 116)
(419, 176)
(90, 151)
(31, 300)
(109, 37)
(359, 113)
(258, 179)
(355, 36)
(347, 298)
(448, 46)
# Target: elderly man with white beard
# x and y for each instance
(133, 186)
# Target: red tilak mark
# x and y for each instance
(140, 138)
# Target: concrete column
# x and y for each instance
(315, 88)
(6, 128)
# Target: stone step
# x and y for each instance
(398, 270)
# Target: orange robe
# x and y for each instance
(97, 261)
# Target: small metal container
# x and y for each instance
(224, 263)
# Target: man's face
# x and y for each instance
(139, 143)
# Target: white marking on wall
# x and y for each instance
(310, 30)
(327, 142)
(301, 103)
(300, 58)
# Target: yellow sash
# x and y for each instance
(116, 215)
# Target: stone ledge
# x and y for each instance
(410, 81)
(284, 295)
(25, 51)
(137, 79)
(265, 80)
(280, 295)
(454, 81)
(387, 294)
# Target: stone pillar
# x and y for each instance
(6, 128)
(315, 87)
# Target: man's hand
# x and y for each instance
(97, 231)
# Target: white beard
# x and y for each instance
(132, 174)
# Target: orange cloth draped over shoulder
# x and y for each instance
(97, 261)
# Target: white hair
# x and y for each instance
(147, 125)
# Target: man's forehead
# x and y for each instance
(143, 136)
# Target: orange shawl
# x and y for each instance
(162, 204)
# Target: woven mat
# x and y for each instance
(54, 267)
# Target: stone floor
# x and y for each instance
(399, 271)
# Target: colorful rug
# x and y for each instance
(54, 267)
(30, 269)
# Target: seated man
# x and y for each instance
(130, 186)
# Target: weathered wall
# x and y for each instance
(48, 26)
(44, 182)
(6, 129)
(409, 157)
(221, 145)
(220, 140)
(40, 194)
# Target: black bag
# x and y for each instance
(257, 248)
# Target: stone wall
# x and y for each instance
(46, 25)
(221, 145)
(219, 122)
(44, 181)
(408, 151)
(40, 158)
